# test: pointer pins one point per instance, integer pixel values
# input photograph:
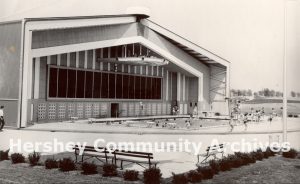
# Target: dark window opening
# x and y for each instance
(80, 84)
(131, 87)
(112, 85)
(104, 85)
(125, 86)
(53, 82)
(97, 85)
(71, 83)
(89, 84)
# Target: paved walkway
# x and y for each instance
(84, 127)
(173, 161)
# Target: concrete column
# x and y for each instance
(77, 59)
(152, 70)
(48, 60)
(68, 59)
(58, 59)
(94, 59)
(27, 78)
(85, 59)
(178, 86)
(183, 87)
(167, 85)
(36, 78)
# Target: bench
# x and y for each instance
(134, 157)
(211, 151)
(91, 152)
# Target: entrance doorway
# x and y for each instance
(114, 110)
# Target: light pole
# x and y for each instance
(284, 114)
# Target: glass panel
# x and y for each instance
(113, 52)
(80, 84)
(62, 83)
(112, 85)
(136, 49)
(97, 85)
(105, 52)
(158, 88)
(119, 86)
(71, 83)
(148, 88)
(143, 87)
(125, 86)
(129, 50)
(119, 49)
(53, 82)
(89, 85)
(104, 85)
(137, 87)
(153, 88)
(131, 87)
(98, 53)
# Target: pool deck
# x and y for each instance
(141, 128)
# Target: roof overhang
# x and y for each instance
(201, 54)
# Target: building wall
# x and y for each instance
(58, 37)
(44, 109)
(173, 80)
(10, 50)
(179, 53)
(218, 89)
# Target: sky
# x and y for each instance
(248, 33)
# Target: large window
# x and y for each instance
(72, 83)
(53, 82)
(80, 84)
(62, 83)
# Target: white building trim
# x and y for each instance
(36, 78)
(71, 23)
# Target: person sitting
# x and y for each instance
(187, 124)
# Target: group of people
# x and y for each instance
(238, 116)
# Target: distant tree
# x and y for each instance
(249, 92)
(244, 92)
(261, 93)
(298, 95)
(272, 93)
(255, 94)
(239, 92)
(232, 92)
(266, 92)
(278, 94)
(293, 93)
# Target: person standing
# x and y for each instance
(245, 120)
(2, 122)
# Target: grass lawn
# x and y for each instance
(272, 170)
(23, 173)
